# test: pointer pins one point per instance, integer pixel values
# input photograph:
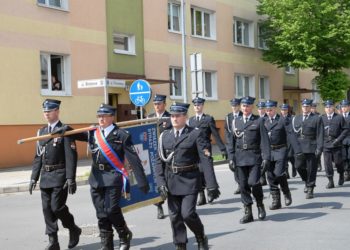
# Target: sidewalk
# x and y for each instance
(17, 179)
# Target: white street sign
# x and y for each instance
(95, 83)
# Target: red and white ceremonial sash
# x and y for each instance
(113, 159)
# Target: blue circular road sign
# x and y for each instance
(140, 93)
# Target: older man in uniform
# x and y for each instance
(335, 130)
(159, 104)
(280, 133)
(56, 162)
(206, 124)
(252, 152)
(230, 140)
(181, 149)
(345, 106)
(310, 131)
(110, 145)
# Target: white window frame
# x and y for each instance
(64, 4)
(214, 91)
(261, 40)
(316, 97)
(212, 23)
(131, 44)
(244, 43)
(65, 75)
(172, 85)
(266, 83)
(171, 4)
(251, 85)
(290, 70)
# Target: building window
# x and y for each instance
(316, 94)
(243, 33)
(210, 86)
(124, 44)
(174, 17)
(203, 23)
(261, 40)
(57, 4)
(290, 70)
(55, 74)
(264, 88)
(176, 90)
(245, 85)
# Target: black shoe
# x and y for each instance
(341, 179)
(180, 246)
(74, 235)
(125, 236)
(310, 193)
(160, 212)
(288, 198)
(53, 242)
(305, 189)
(330, 183)
(261, 210)
(263, 181)
(107, 241)
(202, 241)
(237, 191)
(248, 215)
(287, 174)
(276, 200)
(346, 176)
(294, 172)
(201, 199)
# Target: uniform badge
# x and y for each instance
(55, 140)
(73, 145)
(206, 152)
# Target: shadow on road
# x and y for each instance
(216, 210)
(313, 205)
(294, 216)
(332, 194)
(228, 201)
(192, 244)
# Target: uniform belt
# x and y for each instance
(180, 169)
(103, 167)
(49, 168)
(311, 137)
(248, 147)
(278, 146)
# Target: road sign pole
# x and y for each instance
(183, 36)
(105, 88)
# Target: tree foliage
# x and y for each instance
(309, 34)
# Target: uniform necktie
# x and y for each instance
(103, 132)
(305, 117)
(246, 120)
(50, 129)
(329, 117)
(197, 118)
(272, 119)
(177, 135)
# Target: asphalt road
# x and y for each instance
(319, 223)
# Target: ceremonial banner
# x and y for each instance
(144, 138)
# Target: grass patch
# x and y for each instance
(218, 157)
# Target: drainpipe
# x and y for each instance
(184, 67)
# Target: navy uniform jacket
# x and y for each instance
(281, 136)
(207, 125)
(252, 141)
(121, 143)
(163, 124)
(190, 148)
(334, 129)
(230, 140)
(309, 132)
(56, 151)
(346, 141)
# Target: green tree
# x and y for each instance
(310, 34)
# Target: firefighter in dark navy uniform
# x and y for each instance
(310, 132)
(230, 142)
(55, 162)
(335, 131)
(280, 133)
(251, 154)
(107, 179)
(262, 113)
(345, 107)
(314, 110)
(206, 124)
(178, 178)
(159, 104)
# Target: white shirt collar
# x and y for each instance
(199, 115)
(180, 131)
(160, 115)
(53, 125)
(108, 129)
(247, 117)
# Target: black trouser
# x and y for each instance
(54, 207)
(276, 175)
(346, 156)
(307, 169)
(182, 211)
(331, 155)
(249, 177)
(106, 202)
